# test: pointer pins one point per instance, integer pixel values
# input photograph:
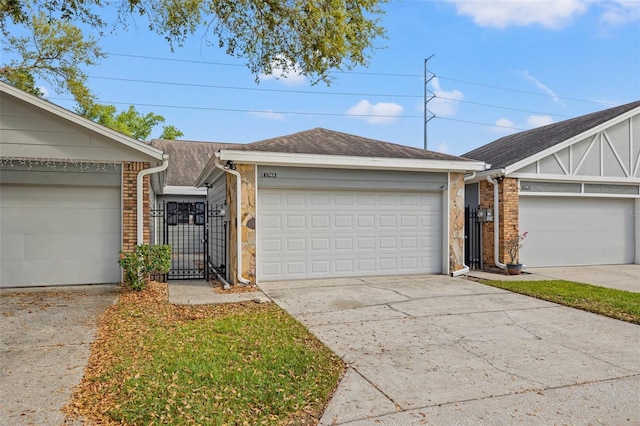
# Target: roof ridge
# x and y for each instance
(513, 148)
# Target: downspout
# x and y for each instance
(465, 268)
(140, 196)
(496, 224)
(239, 276)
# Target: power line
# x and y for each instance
(304, 113)
(378, 74)
(256, 89)
(501, 107)
(266, 112)
(310, 92)
(523, 91)
(157, 58)
(226, 64)
(480, 124)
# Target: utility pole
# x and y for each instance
(428, 95)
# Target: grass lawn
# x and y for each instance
(618, 304)
(156, 363)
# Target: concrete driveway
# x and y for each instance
(45, 339)
(440, 350)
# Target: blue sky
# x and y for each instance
(500, 67)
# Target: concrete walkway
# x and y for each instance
(202, 293)
(441, 351)
(620, 277)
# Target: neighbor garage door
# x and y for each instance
(60, 234)
(316, 233)
(577, 231)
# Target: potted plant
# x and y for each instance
(513, 246)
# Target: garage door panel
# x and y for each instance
(43, 221)
(320, 267)
(61, 246)
(342, 266)
(272, 269)
(320, 221)
(55, 235)
(348, 233)
(388, 243)
(320, 245)
(41, 272)
(576, 231)
(318, 199)
(271, 222)
(12, 246)
(51, 197)
(343, 221)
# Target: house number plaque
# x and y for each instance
(269, 175)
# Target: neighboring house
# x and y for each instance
(574, 186)
(68, 194)
(321, 203)
(188, 158)
(178, 207)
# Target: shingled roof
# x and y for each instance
(514, 148)
(186, 159)
(328, 142)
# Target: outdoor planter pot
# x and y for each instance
(514, 269)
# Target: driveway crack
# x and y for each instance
(391, 289)
(461, 343)
(390, 306)
(395, 403)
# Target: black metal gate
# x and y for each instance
(197, 234)
(472, 238)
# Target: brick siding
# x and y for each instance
(129, 205)
(508, 226)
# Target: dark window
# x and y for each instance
(190, 213)
(172, 213)
(200, 212)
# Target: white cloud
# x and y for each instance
(552, 14)
(269, 115)
(292, 77)
(541, 86)
(539, 120)
(505, 122)
(44, 91)
(505, 126)
(617, 13)
(382, 112)
(445, 103)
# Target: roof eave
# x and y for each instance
(353, 162)
(482, 175)
(209, 173)
(183, 190)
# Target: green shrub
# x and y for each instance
(145, 260)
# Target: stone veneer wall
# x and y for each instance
(248, 221)
(456, 221)
(130, 207)
(509, 207)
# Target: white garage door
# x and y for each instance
(55, 234)
(577, 231)
(341, 233)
